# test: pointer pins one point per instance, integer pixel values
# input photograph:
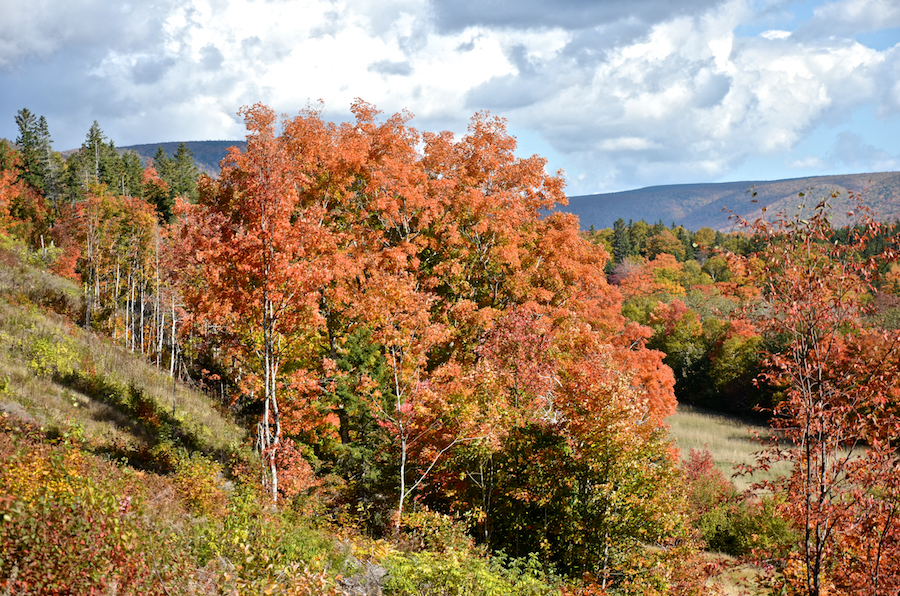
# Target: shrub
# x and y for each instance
(198, 481)
(728, 521)
(63, 533)
(429, 530)
(428, 573)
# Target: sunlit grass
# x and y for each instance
(38, 347)
(731, 441)
(735, 578)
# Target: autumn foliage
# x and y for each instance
(839, 417)
(482, 316)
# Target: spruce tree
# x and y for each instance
(621, 241)
(52, 165)
(31, 171)
(184, 174)
(132, 174)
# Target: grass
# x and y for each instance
(62, 377)
(731, 441)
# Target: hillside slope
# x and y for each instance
(57, 375)
(207, 154)
(698, 205)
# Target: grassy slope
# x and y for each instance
(45, 360)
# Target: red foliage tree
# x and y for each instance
(249, 263)
(841, 380)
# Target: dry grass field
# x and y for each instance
(731, 441)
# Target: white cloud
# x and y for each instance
(848, 17)
(622, 97)
(773, 34)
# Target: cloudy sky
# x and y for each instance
(620, 94)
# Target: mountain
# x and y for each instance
(207, 154)
(698, 205)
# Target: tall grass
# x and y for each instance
(731, 441)
(42, 349)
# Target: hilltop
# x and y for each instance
(207, 154)
(697, 205)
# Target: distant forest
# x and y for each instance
(709, 205)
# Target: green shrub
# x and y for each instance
(429, 530)
(49, 355)
(428, 573)
(258, 539)
(740, 526)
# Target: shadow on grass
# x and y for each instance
(130, 408)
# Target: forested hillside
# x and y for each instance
(206, 154)
(397, 366)
(709, 205)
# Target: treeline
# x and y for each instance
(102, 218)
(69, 180)
(686, 287)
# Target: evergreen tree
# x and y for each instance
(163, 165)
(31, 170)
(96, 162)
(132, 171)
(52, 165)
(621, 241)
(184, 174)
(687, 240)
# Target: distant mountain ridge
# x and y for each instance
(701, 205)
(207, 154)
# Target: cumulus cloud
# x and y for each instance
(622, 94)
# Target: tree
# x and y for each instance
(96, 162)
(156, 191)
(665, 242)
(622, 246)
(184, 173)
(249, 260)
(841, 382)
(52, 165)
(32, 170)
(431, 300)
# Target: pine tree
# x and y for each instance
(163, 164)
(97, 162)
(184, 174)
(132, 172)
(51, 163)
(31, 171)
(621, 241)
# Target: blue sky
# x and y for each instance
(619, 94)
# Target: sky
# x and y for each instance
(619, 94)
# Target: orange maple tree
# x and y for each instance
(413, 292)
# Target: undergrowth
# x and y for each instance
(118, 481)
